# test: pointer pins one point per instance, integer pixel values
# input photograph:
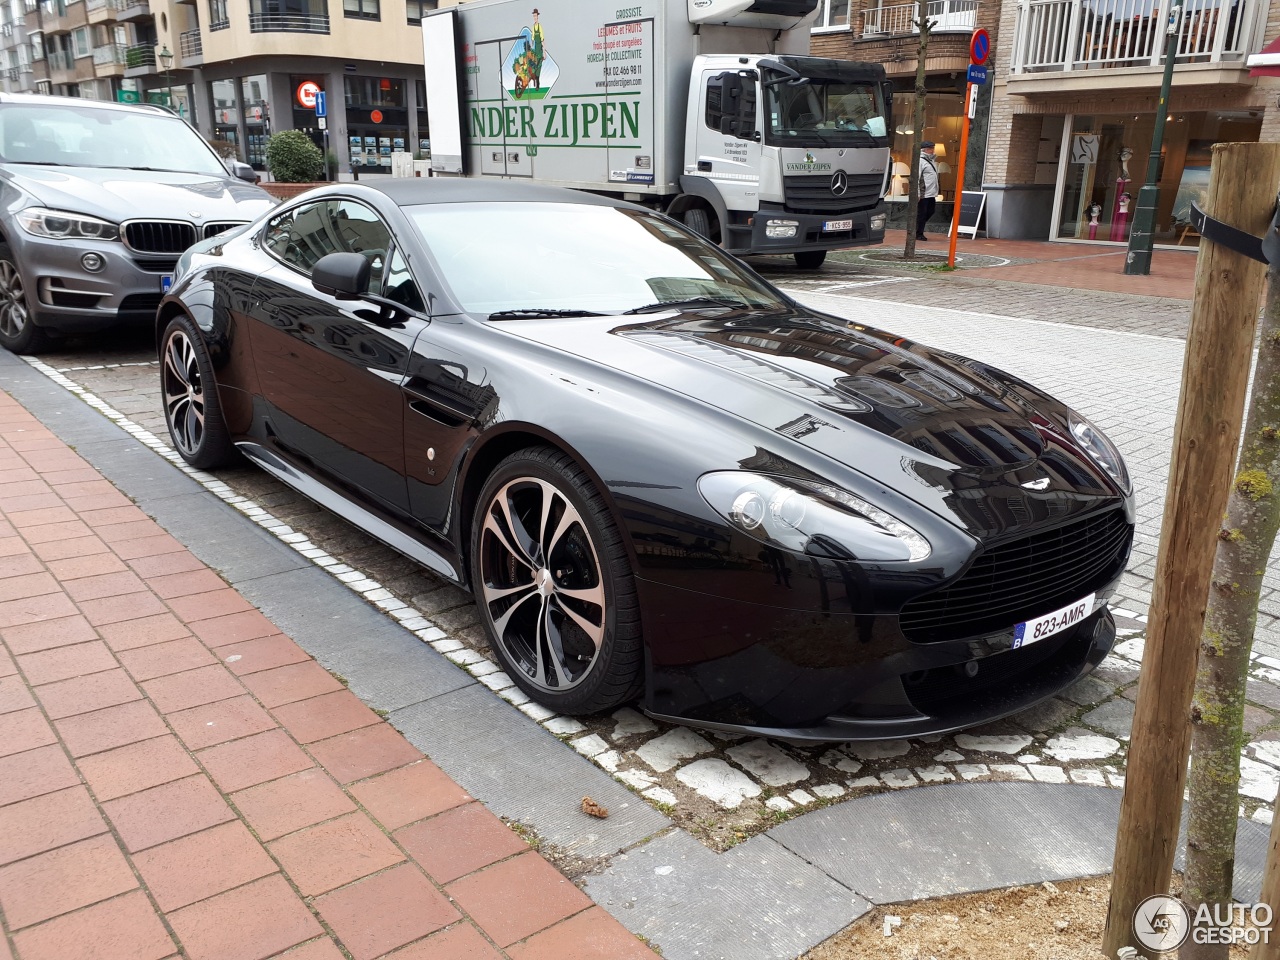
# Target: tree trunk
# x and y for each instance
(925, 26)
(1217, 709)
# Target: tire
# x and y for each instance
(568, 586)
(810, 259)
(190, 394)
(18, 332)
(698, 219)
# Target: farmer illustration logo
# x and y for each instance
(528, 72)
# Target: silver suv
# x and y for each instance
(97, 202)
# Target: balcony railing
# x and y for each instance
(140, 55)
(1059, 35)
(288, 23)
(91, 5)
(110, 53)
(190, 45)
(960, 16)
(60, 60)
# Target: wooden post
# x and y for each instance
(1215, 376)
(1270, 895)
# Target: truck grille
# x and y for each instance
(1022, 579)
(813, 194)
(159, 236)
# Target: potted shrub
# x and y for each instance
(296, 163)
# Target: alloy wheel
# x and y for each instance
(183, 393)
(13, 301)
(541, 583)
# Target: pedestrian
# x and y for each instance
(928, 188)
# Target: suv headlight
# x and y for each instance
(804, 516)
(60, 225)
(1094, 442)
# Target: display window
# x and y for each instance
(1103, 159)
(943, 119)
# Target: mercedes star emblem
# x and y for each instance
(840, 183)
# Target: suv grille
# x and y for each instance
(1022, 579)
(159, 236)
(813, 194)
(221, 226)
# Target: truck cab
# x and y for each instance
(786, 154)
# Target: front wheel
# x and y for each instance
(190, 395)
(18, 331)
(554, 585)
(810, 259)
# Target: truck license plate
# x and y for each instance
(1051, 623)
(833, 225)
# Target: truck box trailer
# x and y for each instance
(709, 110)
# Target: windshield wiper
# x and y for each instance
(39, 163)
(691, 302)
(532, 312)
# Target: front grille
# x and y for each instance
(159, 236)
(1022, 579)
(156, 264)
(213, 229)
(813, 194)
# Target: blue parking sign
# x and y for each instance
(977, 74)
(320, 110)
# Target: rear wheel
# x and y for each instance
(698, 219)
(190, 395)
(810, 259)
(18, 331)
(554, 585)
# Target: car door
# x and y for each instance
(331, 370)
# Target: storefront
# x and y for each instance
(1098, 163)
(943, 122)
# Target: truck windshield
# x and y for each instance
(527, 259)
(824, 113)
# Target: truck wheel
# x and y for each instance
(698, 220)
(810, 259)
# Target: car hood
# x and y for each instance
(949, 433)
(116, 194)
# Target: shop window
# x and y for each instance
(361, 9)
(832, 15)
(943, 119)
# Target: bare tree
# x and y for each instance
(925, 26)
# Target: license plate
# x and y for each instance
(1051, 623)
(166, 281)
(833, 225)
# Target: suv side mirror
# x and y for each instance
(343, 275)
(243, 171)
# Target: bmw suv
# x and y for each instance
(97, 202)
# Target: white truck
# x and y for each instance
(706, 109)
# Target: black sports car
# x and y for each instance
(654, 470)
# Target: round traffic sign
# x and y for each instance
(307, 91)
(980, 46)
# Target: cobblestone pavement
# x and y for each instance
(724, 788)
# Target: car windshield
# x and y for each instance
(531, 258)
(96, 137)
(824, 112)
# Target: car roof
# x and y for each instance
(48, 100)
(411, 191)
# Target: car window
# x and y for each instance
(302, 235)
(358, 230)
(398, 284)
(96, 137)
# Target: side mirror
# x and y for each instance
(342, 275)
(243, 171)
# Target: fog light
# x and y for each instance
(93, 262)
(879, 220)
(781, 229)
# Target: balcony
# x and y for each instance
(190, 48)
(1104, 43)
(100, 11)
(59, 60)
(109, 60)
(288, 23)
(133, 10)
(140, 60)
(948, 16)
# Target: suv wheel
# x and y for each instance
(18, 332)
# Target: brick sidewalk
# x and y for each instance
(179, 778)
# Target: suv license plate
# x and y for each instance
(1051, 623)
(166, 281)
(833, 225)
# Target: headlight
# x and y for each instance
(1102, 450)
(58, 225)
(879, 221)
(781, 229)
(807, 517)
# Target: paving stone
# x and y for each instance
(878, 749)
(564, 726)
(781, 804)
(718, 782)
(665, 752)
(839, 761)
(948, 756)
(630, 723)
(1010, 744)
(660, 795)
(1068, 749)
(1047, 774)
(1088, 690)
(767, 763)
(1261, 692)
(590, 745)
(1258, 780)
(897, 779)
(1048, 715)
(1091, 778)
(935, 774)
(1114, 716)
(1012, 771)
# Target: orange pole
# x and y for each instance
(959, 192)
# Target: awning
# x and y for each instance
(1266, 62)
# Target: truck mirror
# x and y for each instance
(729, 125)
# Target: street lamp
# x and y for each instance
(166, 60)
(1141, 237)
